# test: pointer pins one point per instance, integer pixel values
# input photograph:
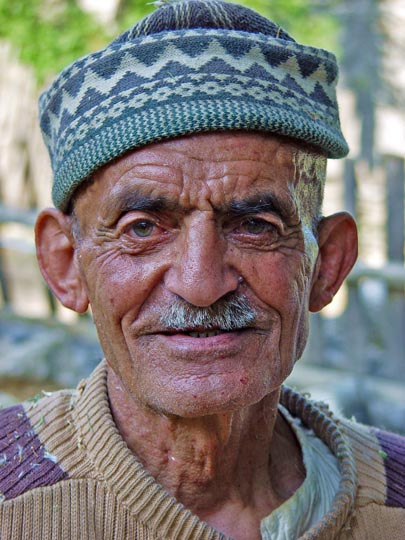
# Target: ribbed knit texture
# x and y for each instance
(192, 66)
(392, 447)
(97, 489)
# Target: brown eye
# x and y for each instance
(257, 226)
(142, 229)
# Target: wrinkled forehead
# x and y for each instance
(202, 171)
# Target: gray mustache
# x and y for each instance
(231, 312)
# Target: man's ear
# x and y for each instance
(337, 240)
(58, 260)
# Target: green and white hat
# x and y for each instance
(191, 66)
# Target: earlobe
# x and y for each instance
(57, 259)
(337, 239)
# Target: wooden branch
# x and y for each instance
(392, 273)
(17, 215)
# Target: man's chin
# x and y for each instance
(226, 395)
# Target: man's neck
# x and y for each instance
(230, 469)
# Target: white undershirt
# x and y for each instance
(314, 497)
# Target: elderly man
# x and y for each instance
(189, 160)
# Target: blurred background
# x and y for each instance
(355, 359)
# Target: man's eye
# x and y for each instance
(143, 228)
(256, 226)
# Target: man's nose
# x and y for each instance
(201, 272)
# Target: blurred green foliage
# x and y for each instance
(312, 22)
(49, 34)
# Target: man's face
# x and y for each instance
(188, 223)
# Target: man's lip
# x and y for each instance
(199, 330)
(188, 348)
(159, 331)
(220, 341)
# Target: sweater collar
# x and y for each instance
(138, 491)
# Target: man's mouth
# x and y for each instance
(216, 342)
(202, 333)
(210, 333)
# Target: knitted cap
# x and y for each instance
(191, 66)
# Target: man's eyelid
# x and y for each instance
(269, 217)
(129, 218)
(275, 219)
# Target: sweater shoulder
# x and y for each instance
(380, 461)
(393, 454)
(26, 461)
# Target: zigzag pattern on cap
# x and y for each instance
(145, 87)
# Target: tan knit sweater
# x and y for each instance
(66, 473)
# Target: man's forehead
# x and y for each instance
(221, 166)
(204, 156)
(228, 140)
(142, 199)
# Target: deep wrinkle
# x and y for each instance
(261, 203)
(166, 265)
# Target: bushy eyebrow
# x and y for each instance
(257, 204)
(138, 202)
(261, 204)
